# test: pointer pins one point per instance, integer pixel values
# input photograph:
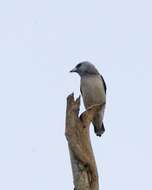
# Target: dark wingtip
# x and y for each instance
(99, 132)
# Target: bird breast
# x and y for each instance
(92, 89)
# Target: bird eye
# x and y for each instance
(79, 65)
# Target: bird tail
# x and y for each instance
(99, 128)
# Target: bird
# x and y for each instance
(93, 90)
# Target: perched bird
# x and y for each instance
(93, 90)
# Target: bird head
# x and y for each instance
(85, 68)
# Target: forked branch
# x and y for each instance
(85, 175)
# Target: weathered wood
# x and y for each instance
(85, 175)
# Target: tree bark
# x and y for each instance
(85, 175)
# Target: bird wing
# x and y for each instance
(104, 83)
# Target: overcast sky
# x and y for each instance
(40, 41)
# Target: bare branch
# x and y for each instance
(88, 115)
(77, 134)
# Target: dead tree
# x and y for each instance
(85, 175)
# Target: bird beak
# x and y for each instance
(73, 70)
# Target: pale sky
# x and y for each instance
(40, 41)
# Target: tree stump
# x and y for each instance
(85, 175)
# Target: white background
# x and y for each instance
(40, 41)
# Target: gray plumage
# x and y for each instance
(93, 90)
